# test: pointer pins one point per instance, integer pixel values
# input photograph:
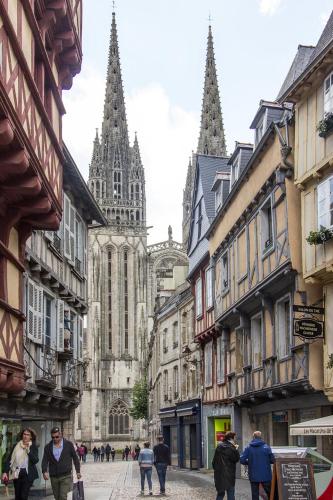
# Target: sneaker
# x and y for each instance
(151, 493)
(142, 492)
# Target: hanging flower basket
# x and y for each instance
(325, 126)
(319, 237)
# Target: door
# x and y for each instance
(193, 445)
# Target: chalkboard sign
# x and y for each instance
(293, 480)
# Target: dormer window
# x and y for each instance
(218, 197)
(199, 219)
(235, 169)
(328, 94)
(260, 128)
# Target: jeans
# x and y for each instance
(230, 494)
(146, 471)
(61, 486)
(161, 472)
(255, 489)
(22, 486)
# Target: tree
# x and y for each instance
(139, 408)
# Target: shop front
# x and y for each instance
(217, 419)
(181, 429)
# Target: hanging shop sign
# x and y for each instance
(308, 321)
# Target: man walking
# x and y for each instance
(259, 457)
(161, 459)
(107, 452)
(59, 455)
(224, 464)
(146, 460)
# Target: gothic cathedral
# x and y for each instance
(117, 269)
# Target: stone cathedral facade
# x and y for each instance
(121, 267)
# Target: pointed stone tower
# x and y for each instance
(212, 138)
(117, 318)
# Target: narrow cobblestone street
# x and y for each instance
(120, 480)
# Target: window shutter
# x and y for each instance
(31, 321)
(60, 325)
(72, 233)
(39, 314)
(80, 338)
(67, 245)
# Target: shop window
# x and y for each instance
(283, 327)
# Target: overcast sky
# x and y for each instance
(162, 48)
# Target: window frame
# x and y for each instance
(329, 212)
(267, 249)
(199, 219)
(287, 353)
(242, 277)
(253, 319)
(198, 311)
(226, 288)
(220, 361)
(328, 101)
(208, 356)
(209, 288)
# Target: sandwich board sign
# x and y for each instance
(293, 479)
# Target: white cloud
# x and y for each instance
(166, 134)
(269, 7)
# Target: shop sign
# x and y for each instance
(293, 478)
(308, 321)
(308, 328)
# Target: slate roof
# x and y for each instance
(208, 166)
(300, 62)
(325, 38)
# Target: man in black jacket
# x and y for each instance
(161, 460)
(59, 454)
(224, 464)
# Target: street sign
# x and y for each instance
(308, 328)
(309, 309)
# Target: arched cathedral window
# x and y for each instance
(126, 300)
(98, 192)
(118, 418)
(117, 185)
(137, 192)
(109, 299)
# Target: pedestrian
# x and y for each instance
(113, 453)
(146, 460)
(98, 454)
(161, 460)
(137, 451)
(95, 453)
(102, 453)
(21, 464)
(107, 452)
(59, 456)
(259, 457)
(85, 453)
(224, 464)
(126, 451)
(80, 451)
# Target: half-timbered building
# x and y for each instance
(40, 52)
(262, 375)
(309, 86)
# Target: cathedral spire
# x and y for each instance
(211, 139)
(114, 128)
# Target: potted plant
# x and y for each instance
(325, 126)
(319, 237)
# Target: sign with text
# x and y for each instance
(308, 321)
(293, 479)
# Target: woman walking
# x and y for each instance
(146, 460)
(224, 464)
(21, 464)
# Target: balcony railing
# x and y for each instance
(71, 379)
(46, 369)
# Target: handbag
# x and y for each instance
(78, 491)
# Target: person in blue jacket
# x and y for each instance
(259, 457)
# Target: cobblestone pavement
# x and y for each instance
(120, 480)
